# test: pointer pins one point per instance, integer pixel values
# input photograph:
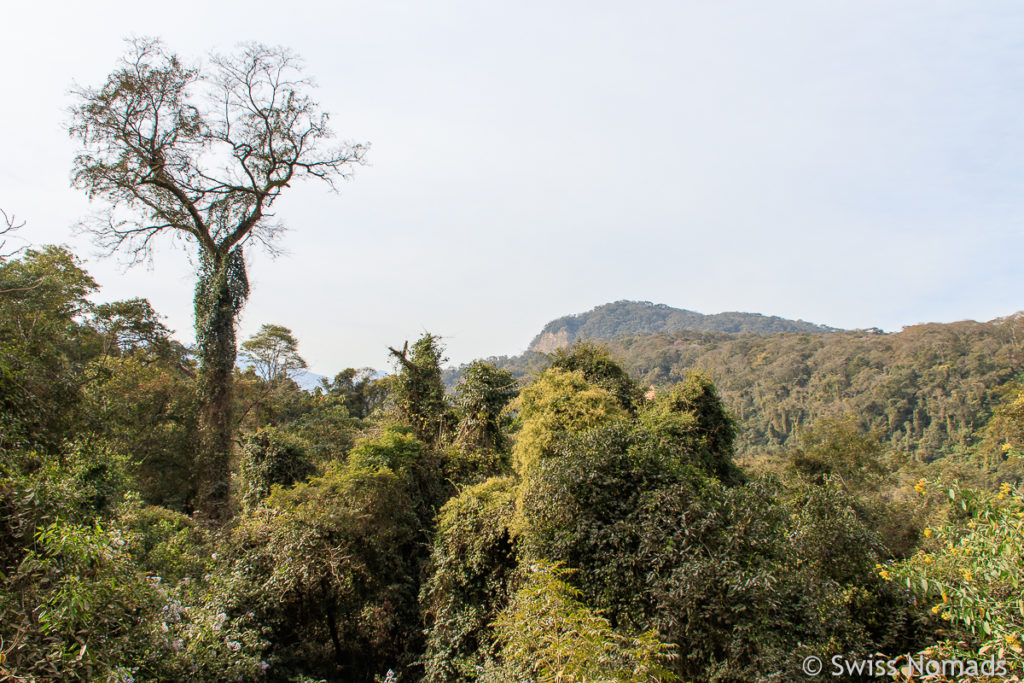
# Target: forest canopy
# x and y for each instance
(576, 524)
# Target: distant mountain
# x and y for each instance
(307, 380)
(631, 318)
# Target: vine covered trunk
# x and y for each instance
(220, 293)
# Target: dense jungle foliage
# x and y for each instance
(578, 525)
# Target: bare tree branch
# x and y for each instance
(10, 226)
(172, 147)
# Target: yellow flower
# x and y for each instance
(884, 574)
(947, 616)
(945, 598)
(1004, 488)
(1006, 447)
(935, 610)
(1011, 638)
(927, 558)
(967, 575)
(920, 487)
(928, 533)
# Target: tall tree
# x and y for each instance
(418, 389)
(201, 153)
(273, 352)
(480, 397)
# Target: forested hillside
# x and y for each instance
(629, 318)
(926, 389)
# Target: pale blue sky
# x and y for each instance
(855, 164)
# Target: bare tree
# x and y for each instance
(201, 154)
(9, 226)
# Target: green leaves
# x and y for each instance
(559, 403)
(968, 571)
(691, 420)
(273, 352)
(547, 634)
(44, 346)
(471, 571)
(481, 397)
(271, 458)
(417, 390)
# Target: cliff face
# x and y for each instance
(629, 318)
(550, 341)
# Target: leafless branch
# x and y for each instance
(172, 149)
(10, 226)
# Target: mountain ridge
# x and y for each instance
(924, 390)
(626, 318)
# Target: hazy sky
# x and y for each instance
(855, 164)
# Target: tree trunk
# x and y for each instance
(220, 294)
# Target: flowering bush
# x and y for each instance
(969, 573)
(85, 611)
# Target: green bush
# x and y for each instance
(79, 609)
(471, 566)
(270, 457)
(691, 420)
(166, 543)
(968, 575)
(481, 397)
(420, 469)
(80, 484)
(147, 409)
(329, 568)
(740, 578)
(557, 403)
(596, 365)
(464, 466)
(546, 634)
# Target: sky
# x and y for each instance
(854, 164)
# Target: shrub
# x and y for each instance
(596, 365)
(84, 611)
(968, 574)
(557, 403)
(546, 634)
(269, 457)
(692, 420)
(471, 566)
(329, 568)
(740, 578)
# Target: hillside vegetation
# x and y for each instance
(629, 318)
(926, 389)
